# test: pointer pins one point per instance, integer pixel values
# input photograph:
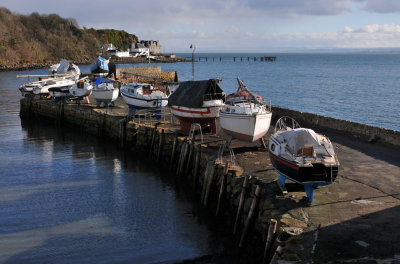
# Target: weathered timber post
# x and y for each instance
(160, 145)
(153, 137)
(189, 157)
(171, 162)
(241, 203)
(205, 180)
(60, 113)
(122, 132)
(178, 168)
(183, 156)
(281, 242)
(209, 184)
(221, 189)
(253, 207)
(196, 165)
(270, 237)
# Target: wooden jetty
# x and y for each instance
(241, 59)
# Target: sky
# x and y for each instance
(236, 25)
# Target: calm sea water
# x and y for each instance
(68, 198)
(363, 88)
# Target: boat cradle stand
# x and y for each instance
(308, 186)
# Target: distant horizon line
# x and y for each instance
(321, 50)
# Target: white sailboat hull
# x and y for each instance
(245, 127)
(81, 92)
(105, 95)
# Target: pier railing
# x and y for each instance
(147, 116)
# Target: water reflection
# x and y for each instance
(68, 197)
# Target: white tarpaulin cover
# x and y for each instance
(299, 138)
(68, 68)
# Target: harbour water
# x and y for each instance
(67, 197)
(363, 88)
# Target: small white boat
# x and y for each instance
(53, 68)
(81, 88)
(244, 115)
(144, 96)
(65, 67)
(59, 92)
(197, 102)
(26, 89)
(43, 88)
(58, 73)
(104, 91)
(100, 66)
(302, 156)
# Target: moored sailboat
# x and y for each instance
(302, 156)
(244, 115)
(197, 102)
(144, 96)
(104, 91)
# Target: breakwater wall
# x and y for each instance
(249, 204)
(353, 129)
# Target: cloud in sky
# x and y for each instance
(382, 6)
(236, 25)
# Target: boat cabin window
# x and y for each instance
(146, 89)
(273, 147)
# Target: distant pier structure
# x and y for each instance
(241, 59)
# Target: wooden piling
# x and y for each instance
(60, 114)
(270, 237)
(182, 158)
(253, 207)
(160, 146)
(189, 157)
(196, 165)
(241, 203)
(153, 137)
(171, 161)
(209, 184)
(122, 132)
(221, 189)
(205, 180)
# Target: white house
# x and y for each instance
(139, 49)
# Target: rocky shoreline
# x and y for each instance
(116, 60)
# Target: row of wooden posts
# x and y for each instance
(190, 153)
(265, 58)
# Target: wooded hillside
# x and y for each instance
(40, 40)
